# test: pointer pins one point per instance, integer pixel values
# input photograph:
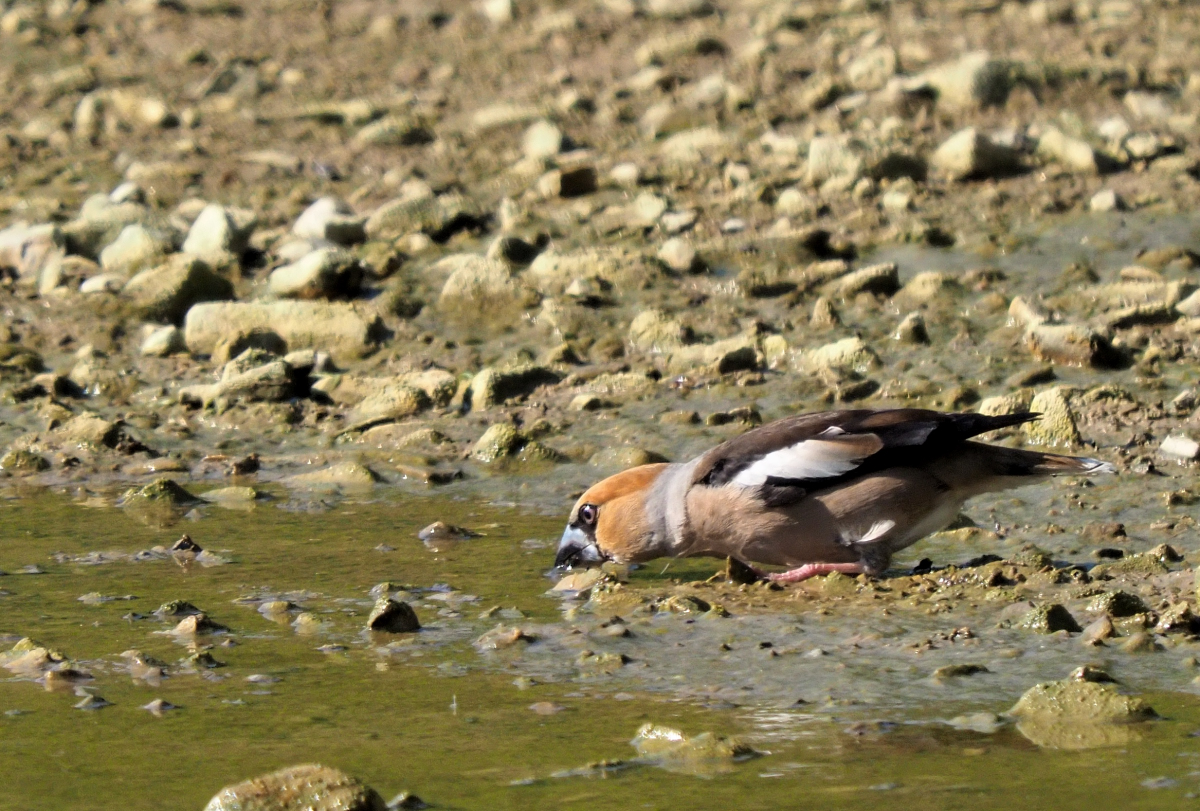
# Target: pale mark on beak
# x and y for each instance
(577, 549)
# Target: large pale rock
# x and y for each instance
(834, 158)
(438, 384)
(552, 272)
(219, 230)
(479, 282)
(882, 279)
(27, 249)
(135, 248)
(417, 212)
(310, 787)
(323, 273)
(849, 355)
(969, 155)
(1070, 344)
(343, 330)
(1078, 714)
(974, 80)
(493, 386)
(167, 292)
(1056, 427)
(271, 382)
(394, 402)
(542, 140)
(654, 331)
(1071, 153)
(343, 474)
(736, 354)
(163, 341)
(332, 220)
(872, 69)
(99, 222)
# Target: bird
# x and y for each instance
(832, 491)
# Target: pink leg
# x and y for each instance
(813, 569)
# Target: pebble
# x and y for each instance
(969, 155)
(393, 616)
(542, 140)
(1179, 447)
(1105, 200)
(311, 787)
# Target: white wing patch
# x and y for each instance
(876, 532)
(810, 459)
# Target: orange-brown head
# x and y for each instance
(609, 522)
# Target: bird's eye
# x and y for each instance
(588, 513)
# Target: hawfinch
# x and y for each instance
(837, 491)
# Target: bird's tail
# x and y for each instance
(978, 468)
(1017, 462)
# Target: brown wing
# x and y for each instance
(791, 456)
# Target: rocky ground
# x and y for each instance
(476, 232)
(506, 247)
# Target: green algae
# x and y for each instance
(427, 713)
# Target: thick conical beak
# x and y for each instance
(576, 549)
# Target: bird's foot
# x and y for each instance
(813, 569)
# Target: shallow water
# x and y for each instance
(428, 713)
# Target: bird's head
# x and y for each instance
(609, 522)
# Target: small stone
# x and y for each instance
(974, 80)
(92, 702)
(1070, 344)
(882, 279)
(896, 200)
(1098, 631)
(912, 330)
(1049, 618)
(310, 787)
(219, 230)
(342, 474)
(158, 707)
(1074, 714)
(394, 130)
(393, 616)
(1140, 642)
(135, 248)
(485, 284)
(167, 292)
(1071, 153)
(847, 355)
(163, 341)
(323, 273)
(957, 671)
(542, 140)
(162, 490)
(492, 386)
(330, 219)
(678, 254)
(23, 462)
(872, 69)
(1118, 604)
(502, 636)
(1056, 427)
(195, 624)
(341, 329)
(971, 155)
(1181, 448)
(1105, 200)
(498, 441)
(833, 158)
(625, 174)
(585, 402)
(793, 202)
(568, 182)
